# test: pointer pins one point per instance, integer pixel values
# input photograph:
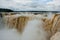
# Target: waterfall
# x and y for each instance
(34, 31)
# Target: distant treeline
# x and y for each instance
(9, 10)
(5, 10)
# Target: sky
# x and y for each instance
(31, 5)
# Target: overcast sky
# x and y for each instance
(34, 5)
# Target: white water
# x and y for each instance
(9, 34)
(34, 31)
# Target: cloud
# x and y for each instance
(49, 5)
(15, 4)
(54, 5)
(23, 1)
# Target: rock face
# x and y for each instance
(56, 36)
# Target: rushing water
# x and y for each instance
(34, 31)
(8, 34)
